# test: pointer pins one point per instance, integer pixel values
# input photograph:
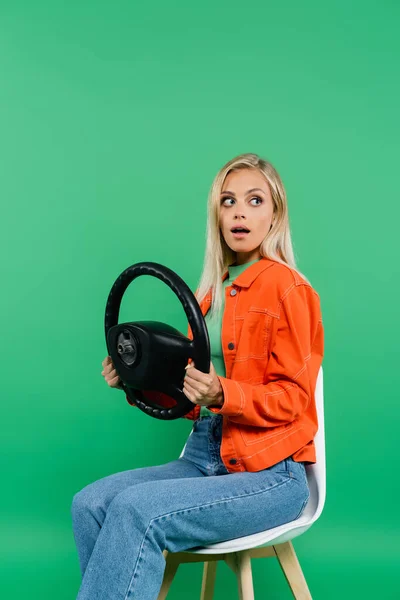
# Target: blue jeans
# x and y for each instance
(123, 522)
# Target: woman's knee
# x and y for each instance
(143, 501)
(87, 500)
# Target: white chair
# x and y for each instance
(276, 542)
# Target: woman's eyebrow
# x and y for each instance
(248, 191)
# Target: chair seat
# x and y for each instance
(270, 537)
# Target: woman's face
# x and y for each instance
(245, 201)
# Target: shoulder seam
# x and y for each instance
(294, 274)
(290, 288)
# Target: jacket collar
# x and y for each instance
(246, 278)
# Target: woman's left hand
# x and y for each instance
(201, 388)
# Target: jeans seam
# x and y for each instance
(195, 508)
(301, 483)
(303, 507)
(138, 560)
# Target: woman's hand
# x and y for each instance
(201, 388)
(110, 374)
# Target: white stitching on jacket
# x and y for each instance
(274, 444)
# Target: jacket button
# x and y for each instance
(233, 461)
(233, 292)
(231, 346)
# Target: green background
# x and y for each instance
(114, 119)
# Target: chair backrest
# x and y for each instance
(316, 473)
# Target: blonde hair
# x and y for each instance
(277, 244)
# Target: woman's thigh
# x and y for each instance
(198, 511)
(98, 495)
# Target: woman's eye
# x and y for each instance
(224, 200)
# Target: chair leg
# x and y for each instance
(208, 583)
(240, 564)
(170, 569)
(291, 567)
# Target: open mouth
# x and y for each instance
(239, 232)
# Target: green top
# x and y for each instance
(214, 328)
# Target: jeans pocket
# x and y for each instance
(285, 465)
(282, 466)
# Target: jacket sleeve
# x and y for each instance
(291, 370)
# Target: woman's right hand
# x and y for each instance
(110, 374)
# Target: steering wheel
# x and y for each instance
(151, 356)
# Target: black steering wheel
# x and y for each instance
(152, 356)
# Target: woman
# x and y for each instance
(242, 470)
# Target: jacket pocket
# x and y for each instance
(255, 435)
(253, 343)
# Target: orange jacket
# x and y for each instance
(273, 344)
